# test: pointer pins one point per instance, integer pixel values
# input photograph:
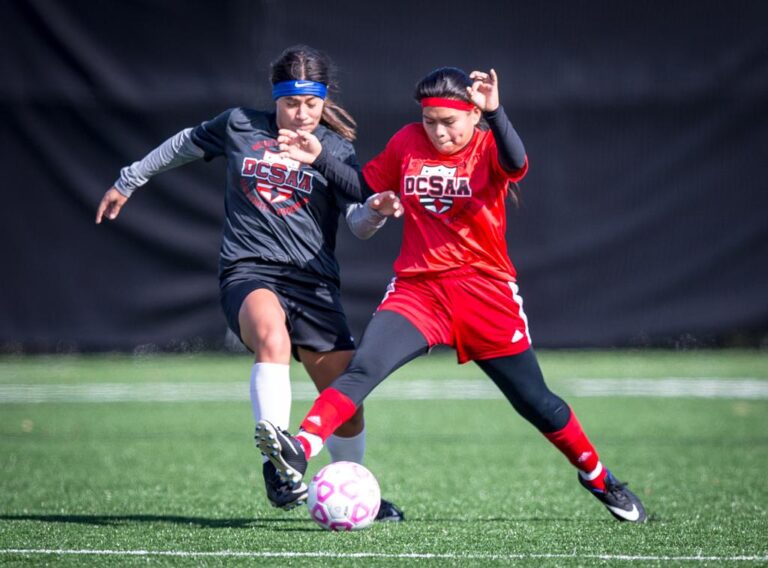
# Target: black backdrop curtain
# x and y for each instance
(643, 221)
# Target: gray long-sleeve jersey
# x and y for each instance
(277, 211)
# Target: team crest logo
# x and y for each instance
(277, 178)
(437, 187)
(436, 204)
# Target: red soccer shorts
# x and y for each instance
(480, 317)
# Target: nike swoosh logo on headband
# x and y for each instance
(302, 84)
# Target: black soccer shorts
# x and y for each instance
(315, 318)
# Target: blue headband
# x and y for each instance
(300, 87)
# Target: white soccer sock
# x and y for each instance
(315, 442)
(347, 449)
(271, 394)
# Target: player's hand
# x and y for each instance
(386, 203)
(299, 145)
(484, 91)
(110, 205)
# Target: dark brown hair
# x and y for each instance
(446, 82)
(303, 62)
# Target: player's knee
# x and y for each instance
(549, 413)
(365, 368)
(268, 342)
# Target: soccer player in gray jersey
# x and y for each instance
(278, 273)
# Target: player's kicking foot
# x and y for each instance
(284, 451)
(280, 493)
(620, 501)
(389, 512)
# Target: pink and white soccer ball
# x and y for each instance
(343, 496)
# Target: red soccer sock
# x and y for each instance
(330, 410)
(574, 444)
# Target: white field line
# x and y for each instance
(342, 555)
(418, 389)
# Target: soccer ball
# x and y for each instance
(343, 496)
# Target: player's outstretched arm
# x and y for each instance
(304, 147)
(484, 92)
(110, 205)
(179, 149)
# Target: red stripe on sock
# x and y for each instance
(330, 410)
(305, 444)
(575, 445)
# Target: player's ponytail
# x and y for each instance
(303, 62)
(339, 120)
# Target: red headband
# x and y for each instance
(442, 102)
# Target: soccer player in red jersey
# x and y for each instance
(454, 283)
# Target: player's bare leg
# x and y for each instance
(263, 330)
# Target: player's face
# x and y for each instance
(449, 129)
(299, 112)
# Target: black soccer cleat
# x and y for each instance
(620, 501)
(389, 512)
(284, 451)
(280, 493)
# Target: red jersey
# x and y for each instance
(454, 205)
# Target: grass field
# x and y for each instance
(149, 460)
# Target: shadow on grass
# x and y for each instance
(274, 523)
(203, 522)
(514, 521)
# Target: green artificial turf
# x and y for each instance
(179, 483)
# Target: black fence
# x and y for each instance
(643, 221)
